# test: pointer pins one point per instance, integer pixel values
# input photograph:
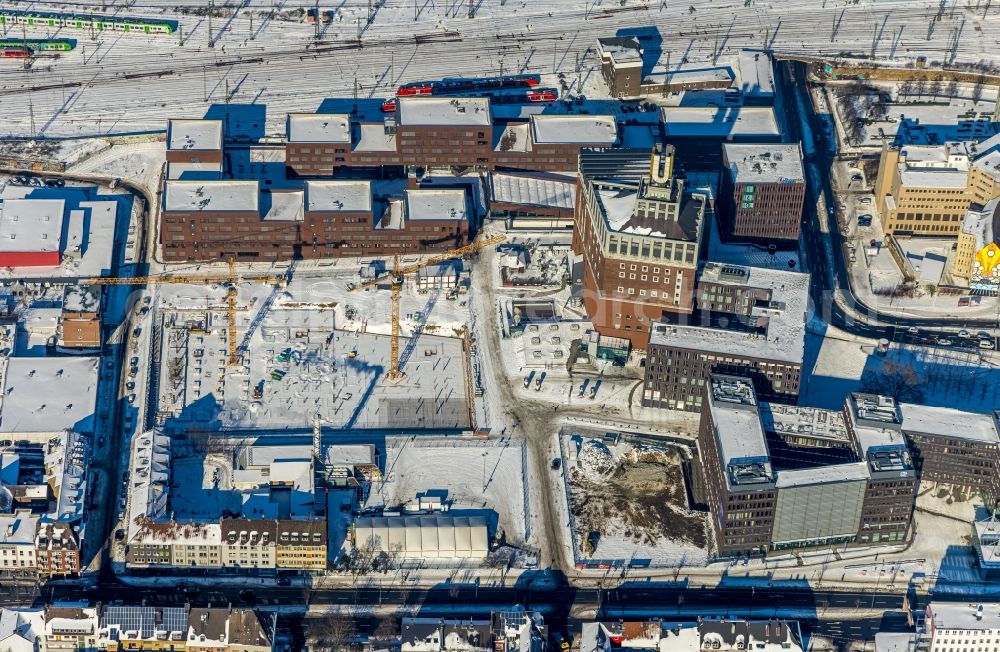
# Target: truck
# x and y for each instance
(527, 381)
(538, 381)
(583, 388)
(593, 390)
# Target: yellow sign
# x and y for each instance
(988, 258)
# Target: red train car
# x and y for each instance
(15, 52)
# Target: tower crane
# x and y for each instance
(396, 276)
(230, 281)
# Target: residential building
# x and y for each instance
(508, 631)
(226, 630)
(22, 629)
(745, 320)
(57, 550)
(128, 627)
(955, 447)
(957, 625)
(71, 628)
(763, 499)
(301, 545)
(772, 635)
(17, 545)
(638, 234)
(763, 191)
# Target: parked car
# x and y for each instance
(865, 200)
(557, 464)
(964, 333)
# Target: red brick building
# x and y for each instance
(211, 220)
(56, 550)
(639, 237)
(442, 132)
(762, 194)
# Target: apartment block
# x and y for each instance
(727, 635)
(17, 544)
(764, 500)
(745, 320)
(763, 191)
(639, 234)
(954, 626)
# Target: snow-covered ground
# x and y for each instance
(478, 475)
(627, 504)
(265, 57)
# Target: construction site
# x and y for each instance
(628, 505)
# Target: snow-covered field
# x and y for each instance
(479, 476)
(264, 57)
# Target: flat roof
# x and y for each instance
(619, 204)
(444, 111)
(195, 134)
(956, 615)
(719, 121)
(372, 138)
(337, 196)
(210, 196)
(848, 472)
(927, 177)
(33, 225)
(760, 163)
(805, 421)
(576, 129)
(756, 73)
(283, 205)
(784, 340)
(533, 190)
(49, 394)
(445, 204)
(318, 128)
(949, 422)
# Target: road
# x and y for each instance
(831, 292)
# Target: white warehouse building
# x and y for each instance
(425, 537)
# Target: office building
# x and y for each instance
(762, 194)
(745, 320)
(762, 502)
(639, 234)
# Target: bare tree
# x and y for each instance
(953, 88)
(894, 379)
(977, 88)
(334, 633)
(934, 88)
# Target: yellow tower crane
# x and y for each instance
(230, 281)
(396, 276)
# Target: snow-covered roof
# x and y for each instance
(979, 223)
(444, 111)
(756, 73)
(751, 163)
(577, 129)
(964, 616)
(919, 177)
(189, 534)
(949, 422)
(21, 628)
(33, 225)
(319, 128)
(66, 472)
(533, 190)
(81, 298)
(619, 203)
(282, 205)
(373, 138)
(445, 204)
(338, 196)
(896, 641)
(737, 423)
(718, 121)
(784, 338)
(194, 134)
(18, 528)
(199, 170)
(848, 472)
(210, 196)
(49, 394)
